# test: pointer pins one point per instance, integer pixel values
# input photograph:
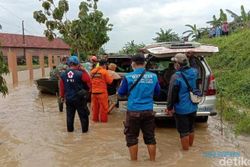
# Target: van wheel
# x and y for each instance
(201, 119)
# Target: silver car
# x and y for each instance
(158, 61)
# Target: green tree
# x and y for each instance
(85, 34)
(131, 48)
(240, 20)
(194, 33)
(215, 22)
(166, 36)
(3, 70)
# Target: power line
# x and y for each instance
(10, 12)
(19, 19)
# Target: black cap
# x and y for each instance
(139, 58)
(103, 62)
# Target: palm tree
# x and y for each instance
(166, 36)
(194, 33)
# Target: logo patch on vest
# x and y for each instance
(70, 74)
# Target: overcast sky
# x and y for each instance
(136, 20)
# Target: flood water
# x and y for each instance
(33, 134)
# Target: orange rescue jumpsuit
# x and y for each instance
(99, 98)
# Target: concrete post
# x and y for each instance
(12, 63)
(56, 62)
(29, 65)
(41, 62)
(50, 59)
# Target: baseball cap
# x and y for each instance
(180, 58)
(73, 59)
(139, 58)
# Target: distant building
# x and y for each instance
(34, 45)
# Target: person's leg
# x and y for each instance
(112, 103)
(71, 110)
(191, 128)
(133, 151)
(185, 142)
(103, 102)
(132, 130)
(182, 125)
(95, 107)
(83, 114)
(148, 130)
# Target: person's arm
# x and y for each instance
(61, 88)
(123, 90)
(108, 78)
(86, 79)
(157, 89)
(173, 93)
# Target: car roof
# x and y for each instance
(168, 49)
(119, 56)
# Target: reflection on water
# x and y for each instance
(31, 136)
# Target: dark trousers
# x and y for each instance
(80, 105)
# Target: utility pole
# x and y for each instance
(24, 51)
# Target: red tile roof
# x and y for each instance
(16, 41)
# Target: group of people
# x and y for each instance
(139, 86)
(219, 30)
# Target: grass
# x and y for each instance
(231, 67)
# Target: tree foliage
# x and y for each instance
(241, 20)
(166, 36)
(86, 34)
(3, 70)
(131, 48)
(194, 33)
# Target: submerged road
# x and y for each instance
(33, 134)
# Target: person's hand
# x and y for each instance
(169, 112)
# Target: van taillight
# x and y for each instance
(211, 86)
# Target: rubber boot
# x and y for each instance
(191, 138)
(133, 150)
(151, 151)
(185, 142)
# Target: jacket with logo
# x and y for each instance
(141, 97)
(73, 80)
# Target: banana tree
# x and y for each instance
(240, 20)
(194, 33)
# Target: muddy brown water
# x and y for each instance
(33, 134)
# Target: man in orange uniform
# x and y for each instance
(99, 99)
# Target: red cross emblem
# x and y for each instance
(70, 74)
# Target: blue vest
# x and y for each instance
(185, 105)
(73, 83)
(141, 97)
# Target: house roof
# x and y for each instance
(16, 41)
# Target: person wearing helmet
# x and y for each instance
(74, 87)
(91, 63)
